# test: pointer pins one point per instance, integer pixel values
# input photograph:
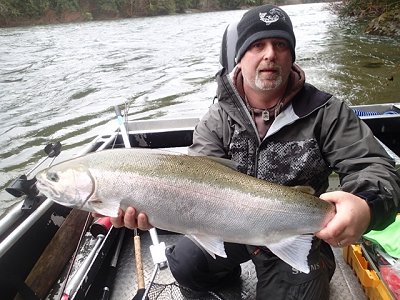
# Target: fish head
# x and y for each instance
(70, 185)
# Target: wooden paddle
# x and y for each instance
(56, 255)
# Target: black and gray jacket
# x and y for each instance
(315, 135)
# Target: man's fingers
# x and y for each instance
(130, 220)
(143, 222)
(119, 220)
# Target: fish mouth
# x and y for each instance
(66, 189)
(45, 188)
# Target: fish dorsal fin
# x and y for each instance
(106, 208)
(294, 251)
(213, 245)
(226, 162)
(223, 161)
(304, 189)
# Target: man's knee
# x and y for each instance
(187, 263)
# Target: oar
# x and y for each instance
(57, 253)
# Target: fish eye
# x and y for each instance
(52, 176)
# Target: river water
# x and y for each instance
(60, 82)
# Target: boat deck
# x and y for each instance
(38, 228)
(344, 284)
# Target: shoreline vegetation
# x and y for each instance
(381, 17)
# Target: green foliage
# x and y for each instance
(107, 6)
(34, 9)
(383, 15)
(369, 9)
(182, 5)
(163, 7)
(229, 4)
(6, 9)
(61, 5)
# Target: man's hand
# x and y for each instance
(130, 219)
(350, 222)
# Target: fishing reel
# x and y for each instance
(24, 186)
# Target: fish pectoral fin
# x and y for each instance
(213, 245)
(106, 208)
(294, 251)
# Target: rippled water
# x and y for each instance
(60, 82)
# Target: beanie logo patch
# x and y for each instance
(272, 16)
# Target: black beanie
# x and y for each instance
(266, 21)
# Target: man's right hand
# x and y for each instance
(130, 219)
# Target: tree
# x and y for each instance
(383, 15)
(229, 4)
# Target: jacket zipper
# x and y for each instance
(247, 113)
(243, 108)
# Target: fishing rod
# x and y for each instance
(157, 250)
(122, 127)
(136, 238)
(72, 285)
(113, 266)
(99, 230)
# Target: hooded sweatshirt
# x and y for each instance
(312, 135)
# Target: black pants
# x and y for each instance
(198, 271)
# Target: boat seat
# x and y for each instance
(228, 45)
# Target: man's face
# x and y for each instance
(266, 64)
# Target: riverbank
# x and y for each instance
(49, 17)
(386, 23)
(379, 17)
(14, 13)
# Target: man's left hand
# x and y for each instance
(350, 222)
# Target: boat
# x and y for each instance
(48, 251)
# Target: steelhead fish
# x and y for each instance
(193, 195)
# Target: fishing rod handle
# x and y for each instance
(139, 264)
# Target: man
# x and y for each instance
(281, 129)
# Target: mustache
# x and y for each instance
(269, 66)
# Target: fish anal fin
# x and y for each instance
(213, 245)
(294, 251)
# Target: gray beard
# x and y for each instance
(265, 85)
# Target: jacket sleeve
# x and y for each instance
(209, 132)
(363, 165)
